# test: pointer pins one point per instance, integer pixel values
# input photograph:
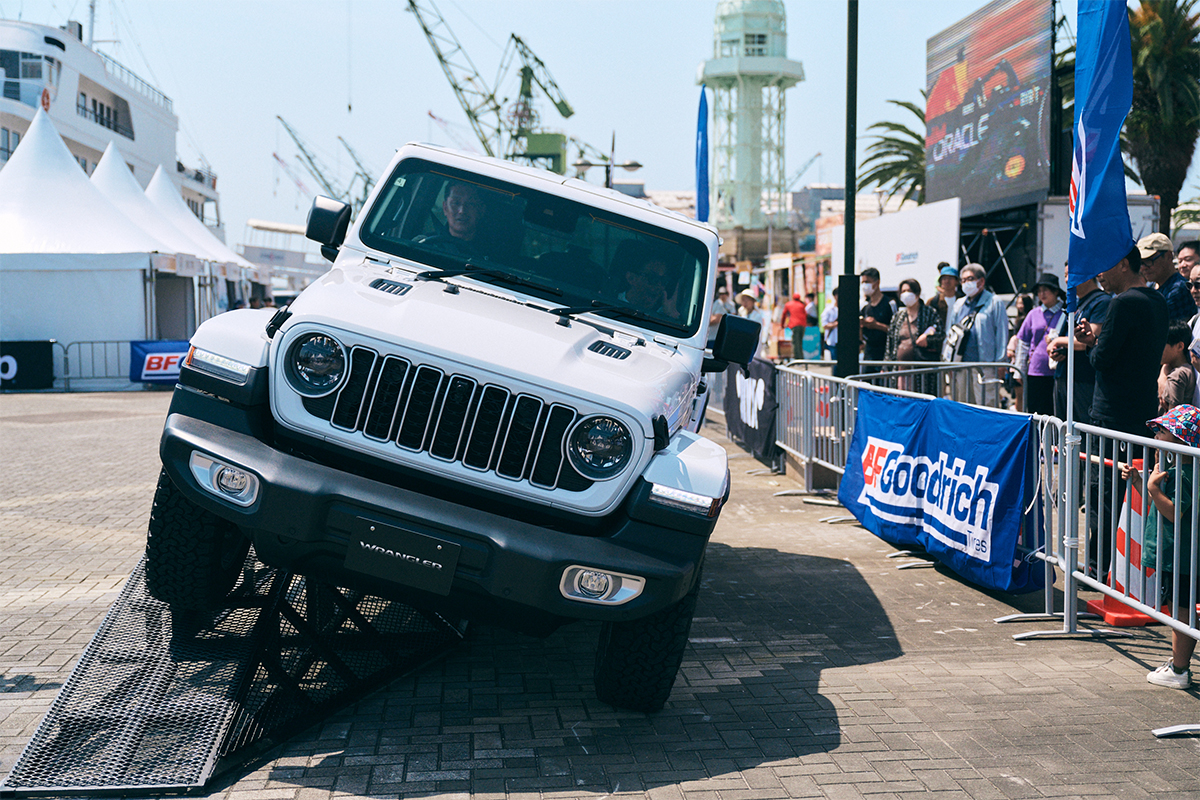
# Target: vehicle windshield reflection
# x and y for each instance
(583, 259)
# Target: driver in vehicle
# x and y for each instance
(650, 281)
(463, 208)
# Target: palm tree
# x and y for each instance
(1164, 120)
(896, 159)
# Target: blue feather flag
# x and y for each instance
(1101, 234)
(702, 159)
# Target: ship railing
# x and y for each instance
(122, 73)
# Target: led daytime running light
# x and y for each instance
(683, 500)
(218, 366)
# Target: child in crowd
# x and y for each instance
(1177, 377)
(1180, 425)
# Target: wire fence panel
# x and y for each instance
(87, 363)
(1114, 512)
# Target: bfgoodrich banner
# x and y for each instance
(945, 477)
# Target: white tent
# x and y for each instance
(115, 181)
(71, 263)
(164, 194)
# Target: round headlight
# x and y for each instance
(316, 365)
(599, 448)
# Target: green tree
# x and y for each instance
(1164, 120)
(896, 159)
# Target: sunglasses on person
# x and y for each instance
(1194, 284)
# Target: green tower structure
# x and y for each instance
(749, 74)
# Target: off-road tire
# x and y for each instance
(192, 555)
(637, 661)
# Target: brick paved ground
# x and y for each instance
(816, 669)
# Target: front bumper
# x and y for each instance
(308, 518)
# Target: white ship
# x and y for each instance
(93, 100)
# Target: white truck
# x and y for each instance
(487, 408)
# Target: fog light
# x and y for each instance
(594, 584)
(232, 481)
(590, 585)
(227, 482)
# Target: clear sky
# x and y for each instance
(363, 70)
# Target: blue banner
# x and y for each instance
(1100, 231)
(702, 159)
(156, 361)
(944, 477)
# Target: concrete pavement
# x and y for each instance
(816, 668)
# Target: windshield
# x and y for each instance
(567, 253)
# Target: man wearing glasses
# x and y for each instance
(1158, 265)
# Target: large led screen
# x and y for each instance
(987, 114)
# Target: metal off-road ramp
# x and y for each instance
(161, 704)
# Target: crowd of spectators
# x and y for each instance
(1123, 355)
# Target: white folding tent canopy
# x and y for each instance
(164, 194)
(72, 265)
(115, 181)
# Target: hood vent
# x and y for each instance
(610, 350)
(391, 287)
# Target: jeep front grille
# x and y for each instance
(453, 418)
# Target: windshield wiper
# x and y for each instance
(624, 311)
(494, 272)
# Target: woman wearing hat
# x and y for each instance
(750, 310)
(1040, 326)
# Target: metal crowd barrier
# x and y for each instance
(91, 366)
(816, 411)
(980, 384)
(92, 362)
(1082, 519)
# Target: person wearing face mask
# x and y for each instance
(874, 319)
(914, 335)
(1041, 325)
(988, 336)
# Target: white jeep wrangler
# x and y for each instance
(485, 408)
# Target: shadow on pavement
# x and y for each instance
(509, 713)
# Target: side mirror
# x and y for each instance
(736, 341)
(328, 221)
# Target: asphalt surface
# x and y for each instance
(816, 667)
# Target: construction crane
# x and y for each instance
(513, 134)
(287, 170)
(787, 187)
(366, 176)
(323, 176)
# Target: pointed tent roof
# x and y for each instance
(164, 194)
(47, 204)
(116, 182)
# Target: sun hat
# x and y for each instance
(1183, 421)
(1050, 281)
(1154, 243)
